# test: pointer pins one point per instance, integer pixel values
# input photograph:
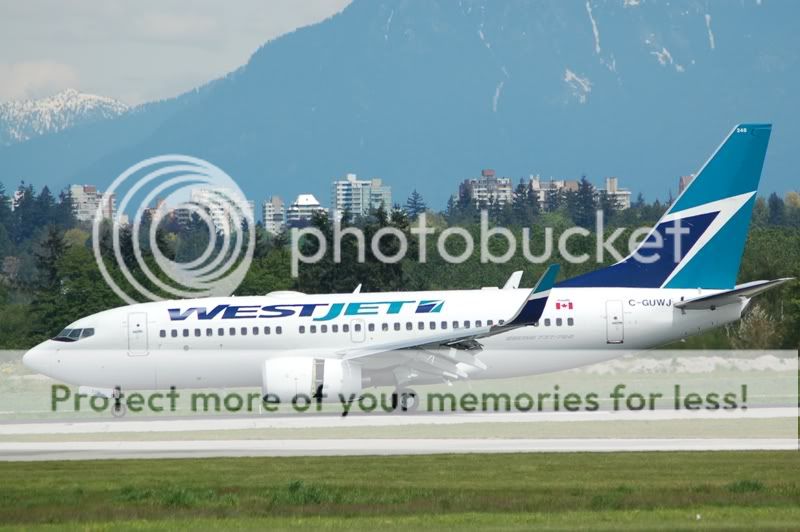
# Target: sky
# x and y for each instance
(137, 51)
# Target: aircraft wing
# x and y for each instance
(441, 353)
(728, 297)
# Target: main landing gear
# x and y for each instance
(405, 400)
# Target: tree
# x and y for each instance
(415, 205)
(777, 209)
(525, 205)
(45, 307)
(608, 204)
(585, 204)
(554, 199)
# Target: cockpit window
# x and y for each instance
(73, 335)
(63, 336)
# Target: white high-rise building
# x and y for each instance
(274, 215)
(621, 196)
(359, 196)
(86, 200)
(223, 205)
(488, 188)
(301, 210)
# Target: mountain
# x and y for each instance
(22, 120)
(425, 94)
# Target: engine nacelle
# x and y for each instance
(288, 378)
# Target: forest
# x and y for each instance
(49, 275)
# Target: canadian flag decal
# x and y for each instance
(564, 304)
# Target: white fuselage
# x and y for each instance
(145, 346)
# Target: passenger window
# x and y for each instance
(345, 328)
(478, 323)
(313, 329)
(432, 325)
(266, 330)
(559, 322)
(174, 333)
(220, 332)
(384, 327)
(334, 328)
(466, 324)
(570, 322)
(444, 325)
(209, 332)
(323, 328)
(244, 331)
(302, 329)
(185, 333)
(197, 332)
(396, 326)
(255, 331)
(279, 330)
(162, 333)
(409, 326)
(421, 325)
(547, 322)
(371, 327)
(357, 327)
(232, 331)
(501, 322)
(455, 325)
(489, 323)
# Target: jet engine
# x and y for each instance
(287, 378)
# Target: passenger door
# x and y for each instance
(137, 334)
(357, 332)
(615, 322)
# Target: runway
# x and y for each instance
(343, 447)
(311, 435)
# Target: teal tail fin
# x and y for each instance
(699, 242)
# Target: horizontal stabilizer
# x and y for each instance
(513, 281)
(728, 297)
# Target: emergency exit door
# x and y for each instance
(615, 322)
(137, 334)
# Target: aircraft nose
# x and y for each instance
(33, 359)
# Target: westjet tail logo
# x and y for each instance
(315, 311)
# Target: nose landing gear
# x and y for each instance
(119, 409)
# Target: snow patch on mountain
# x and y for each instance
(710, 33)
(22, 120)
(496, 97)
(581, 87)
(388, 26)
(665, 59)
(595, 30)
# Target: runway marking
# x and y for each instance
(312, 422)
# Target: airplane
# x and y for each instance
(289, 343)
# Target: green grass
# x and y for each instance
(633, 490)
